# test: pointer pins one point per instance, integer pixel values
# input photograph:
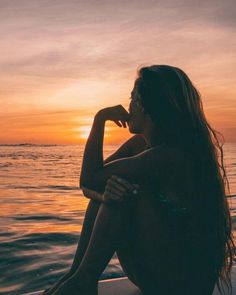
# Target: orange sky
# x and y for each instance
(61, 61)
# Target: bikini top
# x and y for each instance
(173, 207)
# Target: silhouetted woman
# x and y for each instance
(174, 235)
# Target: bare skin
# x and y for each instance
(153, 262)
(131, 147)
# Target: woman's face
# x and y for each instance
(136, 118)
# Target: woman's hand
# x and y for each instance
(117, 114)
(118, 189)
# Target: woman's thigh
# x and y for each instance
(152, 254)
(143, 239)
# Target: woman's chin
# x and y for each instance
(131, 128)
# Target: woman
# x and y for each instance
(159, 201)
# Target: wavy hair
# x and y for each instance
(175, 106)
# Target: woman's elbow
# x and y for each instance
(92, 184)
(85, 182)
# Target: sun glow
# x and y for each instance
(84, 131)
(83, 60)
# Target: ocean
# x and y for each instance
(42, 212)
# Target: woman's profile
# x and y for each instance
(159, 201)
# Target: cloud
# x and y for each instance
(76, 39)
(58, 55)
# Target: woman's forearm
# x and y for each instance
(91, 194)
(93, 153)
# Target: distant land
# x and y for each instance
(27, 144)
(43, 144)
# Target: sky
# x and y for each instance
(62, 61)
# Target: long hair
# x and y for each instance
(174, 105)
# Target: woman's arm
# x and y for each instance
(136, 169)
(92, 194)
(93, 154)
(131, 147)
(116, 190)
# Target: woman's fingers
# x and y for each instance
(118, 189)
(124, 183)
(115, 113)
(116, 195)
(112, 197)
(120, 123)
(123, 123)
(123, 116)
(115, 185)
(111, 183)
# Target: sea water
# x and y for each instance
(42, 211)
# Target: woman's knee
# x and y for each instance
(93, 205)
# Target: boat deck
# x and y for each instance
(123, 286)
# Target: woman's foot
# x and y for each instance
(73, 287)
(52, 289)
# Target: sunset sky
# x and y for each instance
(62, 61)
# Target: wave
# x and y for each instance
(43, 187)
(34, 261)
(41, 218)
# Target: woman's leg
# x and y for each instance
(105, 239)
(157, 256)
(87, 228)
(89, 219)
